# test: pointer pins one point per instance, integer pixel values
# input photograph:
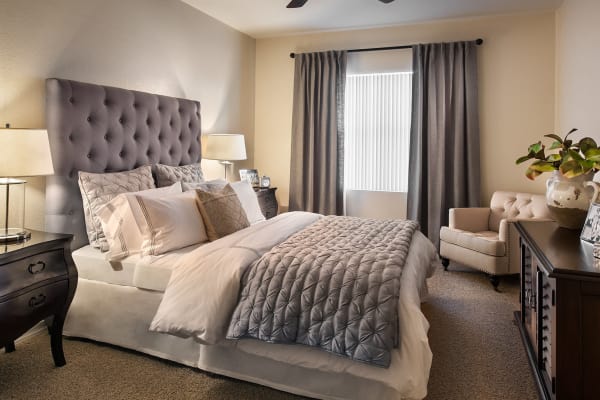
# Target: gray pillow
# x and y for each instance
(99, 189)
(166, 175)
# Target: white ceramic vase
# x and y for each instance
(568, 199)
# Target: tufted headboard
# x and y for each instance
(99, 129)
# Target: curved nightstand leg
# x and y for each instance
(56, 340)
(10, 347)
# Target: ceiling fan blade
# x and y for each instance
(386, 1)
(296, 3)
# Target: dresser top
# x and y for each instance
(37, 238)
(560, 249)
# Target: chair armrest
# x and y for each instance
(472, 219)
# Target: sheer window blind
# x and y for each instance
(377, 131)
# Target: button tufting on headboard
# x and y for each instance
(99, 129)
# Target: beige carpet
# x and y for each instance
(477, 355)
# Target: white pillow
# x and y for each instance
(170, 223)
(118, 219)
(243, 190)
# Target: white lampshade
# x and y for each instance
(25, 152)
(224, 147)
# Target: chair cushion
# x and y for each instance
(485, 242)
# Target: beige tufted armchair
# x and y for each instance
(484, 238)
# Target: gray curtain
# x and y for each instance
(444, 167)
(316, 180)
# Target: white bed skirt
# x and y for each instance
(124, 321)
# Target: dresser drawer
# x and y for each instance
(20, 313)
(29, 270)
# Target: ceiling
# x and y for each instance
(269, 18)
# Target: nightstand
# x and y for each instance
(37, 281)
(267, 201)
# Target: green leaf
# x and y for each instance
(592, 155)
(542, 166)
(571, 169)
(586, 144)
(554, 157)
(556, 145)
(535, 148)
(575, 155)
(555, 137)
(532, 174)
(567, 135)
(568, 143)
(524, 158)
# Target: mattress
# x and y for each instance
(147, 272)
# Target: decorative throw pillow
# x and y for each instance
(99, 189)
(167, 174)
(244, 191)
(119, 224)
(170, 223)
(222, 212)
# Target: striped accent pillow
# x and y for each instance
(118, 219)
(169, 223)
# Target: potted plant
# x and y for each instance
(572, 164)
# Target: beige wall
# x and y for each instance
(578, 67)
(516, 75)
(158, 46)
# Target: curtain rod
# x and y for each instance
(407, 46)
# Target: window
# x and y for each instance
(377, 131)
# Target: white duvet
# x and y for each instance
(204, 286)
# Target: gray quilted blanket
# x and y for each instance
(333, 285)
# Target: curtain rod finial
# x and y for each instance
(292, 55)
(479, 41)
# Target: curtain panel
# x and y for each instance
(317, 160)
(444, 165)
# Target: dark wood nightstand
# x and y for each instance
(37, 281)
(267, 201)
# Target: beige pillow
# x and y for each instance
(244, 191)
(222, 212)
(169, 223)
(118, 218)
(99, 189)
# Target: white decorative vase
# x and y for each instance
(568, 199)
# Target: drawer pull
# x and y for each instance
(37, 301)
(36, 268)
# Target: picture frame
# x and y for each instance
(250, 175)
(591, 228)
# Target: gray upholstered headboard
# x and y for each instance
(98, 129)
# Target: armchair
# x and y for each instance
(484, 238)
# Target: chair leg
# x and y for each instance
(495, 281)
(445, 263)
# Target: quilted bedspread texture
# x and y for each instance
(333, 285)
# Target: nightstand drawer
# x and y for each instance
(22, 312)
(29, 270)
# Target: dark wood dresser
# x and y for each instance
(267, 201)
(37, 281)
(559, 318)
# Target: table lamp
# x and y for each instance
(23, 152)
(224, 147)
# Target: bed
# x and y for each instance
(102, 129)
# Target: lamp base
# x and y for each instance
(14, 235)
